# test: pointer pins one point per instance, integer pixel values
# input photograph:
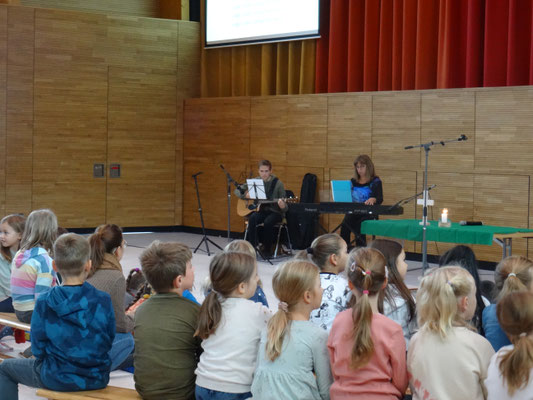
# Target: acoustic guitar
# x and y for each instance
(247, 206)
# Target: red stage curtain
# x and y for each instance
(369, 45)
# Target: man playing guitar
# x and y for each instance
(269, 215)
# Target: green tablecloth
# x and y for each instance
(410, 229)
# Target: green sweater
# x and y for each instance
(166, 353)
(277, 193)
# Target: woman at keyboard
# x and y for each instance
(366, 189)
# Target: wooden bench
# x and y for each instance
(10, 319)
(109, 393)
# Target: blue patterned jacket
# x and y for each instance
(72, 330)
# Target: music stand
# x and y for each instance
(256, 191)
(205, 238)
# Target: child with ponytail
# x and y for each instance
(329, 253)
(447, 359)
(367, 349)
(512, 274)
(510, 368)
(396, 301)
(107, 248)
(230, 326)
(292, 348)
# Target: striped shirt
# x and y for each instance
(31, 275)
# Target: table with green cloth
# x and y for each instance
(410, 229)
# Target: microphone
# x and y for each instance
(408, 147)
(198, 173)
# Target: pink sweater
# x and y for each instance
(385, 375)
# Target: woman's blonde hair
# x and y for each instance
(322, 248)
(438, 296)
(367, 271)
(512, 274)
(289, 282)
(515, 315)
(226, 271)
(40, 230)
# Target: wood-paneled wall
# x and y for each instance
(83, 88)
(486, 178)
(139, 8)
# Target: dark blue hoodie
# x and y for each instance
(72, 330)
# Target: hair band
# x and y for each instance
(366, 292)
(450, 284)
(511, 274)
(309, 250)
(386, 272)
(523, 334)
(283, 306)
(353, 267)
(365, 273)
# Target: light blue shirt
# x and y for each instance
(290, 375)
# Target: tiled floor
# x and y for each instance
(138, 241)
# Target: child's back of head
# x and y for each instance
(367, 273)
(290, 282)
(515, 313)
(321, 250)
(71, 254)
(226, 271)
(40, 230)
(162, 263)
(240, 246)
(513, 274)
(439, 296)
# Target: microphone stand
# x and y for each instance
(427, 148)
(229, 181)
(205, 238)
(410, 198)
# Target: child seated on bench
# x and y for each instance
(72, 329)
(166, 351)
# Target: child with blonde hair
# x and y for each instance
(512, 274)
(11, 229)
(447, 359)
(230, 326)
(32, 273)
(329, 253)
(510, 368)
(244, 246)
(367, 349)
(293, 359)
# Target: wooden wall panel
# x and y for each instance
(307, 131)
(217, 130)
(395, 124)
(69, 135)
(141, 8)
(19, 168)
(141, 137)
(188, 86)
(66, 37)
(3, 105)
(503, 130)
(140, 42)
(501, 200)
(268, 130)
(447, 115)
(349, 128)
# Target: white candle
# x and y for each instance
(444, 216)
